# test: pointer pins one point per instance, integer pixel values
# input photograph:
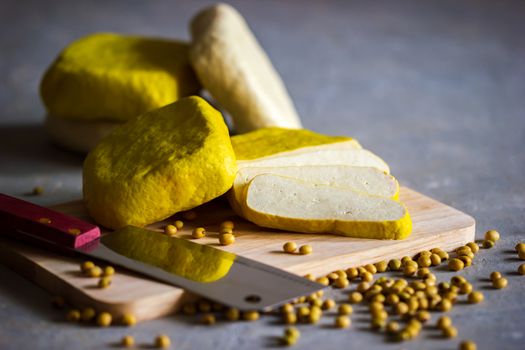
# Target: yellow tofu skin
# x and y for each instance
(165, 161)
(112, 77)
(268, 141)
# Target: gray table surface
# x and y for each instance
(436, 88)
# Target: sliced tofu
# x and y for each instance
(275, 140)
(234, 68)
(284, 203)
(361, 179)
(320, 155)
(339, 146)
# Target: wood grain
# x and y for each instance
(434, 225)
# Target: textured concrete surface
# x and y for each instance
(436, 88)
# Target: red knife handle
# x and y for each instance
(44, 223)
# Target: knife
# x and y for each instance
(212, 273)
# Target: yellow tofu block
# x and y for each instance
(113, 77)
(165, 161)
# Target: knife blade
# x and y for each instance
(218, 275)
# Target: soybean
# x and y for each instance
(162, 341)
(475, 297)
(323, 280)
(38, 190)
(381, 266)
(86, 266)
(423, 315)
(352, 272)
(290, 318)
(73, 316)
(250, 315)
(474, 247)
(394, 264)
(467, 261)
(227, 224)
(342, 321)
(208, 319)
(178, 224)
(170, 230)
(287, 308)
(450, 332)
(355, 297)
(127, 341)
(443, 322)
(392, 327)
(227, 239)
(457, 280)
(328, 304)
(108, 271)
(315, 314)
(401, 308)
(128, 319)
(305, 249)
(94, 272)
(465, 288)
(435, 259)
(456, 264)
(495, 275)
(367, 276)
(233, 314)
(198, 232)
(290, 247)
(444, 305)
(492, 235)
(500, 283)
(292, 332)
(370, 268)
(88, 314)
(104, 319)
(104, 282)
(424, 261)
(467, 345)
(409, 270)
(291, 335)
(345, 309)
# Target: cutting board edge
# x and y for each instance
(171, 300)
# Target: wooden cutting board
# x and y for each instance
(434, 225)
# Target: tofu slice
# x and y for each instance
(284, 203)
(320, 155)
(361, 179)
(275, 140)
(340, 146)
(234, 68)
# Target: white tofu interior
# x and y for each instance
(287, 197)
